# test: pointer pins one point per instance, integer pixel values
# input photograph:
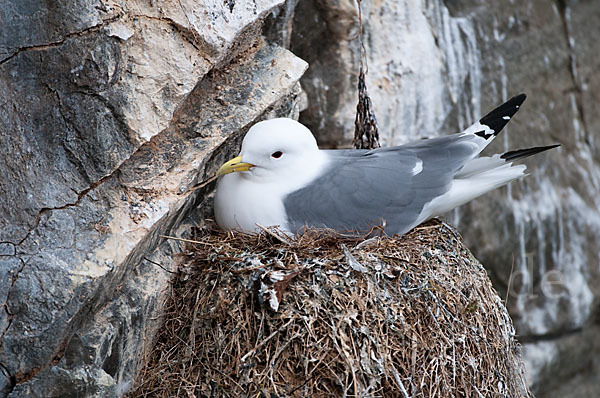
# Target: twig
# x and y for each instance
(425, 227)
(262, 343)
(185, 240)
(198, 186)
(274, 235)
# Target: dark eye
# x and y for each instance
(277, 154)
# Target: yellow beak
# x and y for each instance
(233, 166)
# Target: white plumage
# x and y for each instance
(281, 178)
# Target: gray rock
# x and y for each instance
(10, 266)
(546, 224)
(29, 25)
(55, 382)
(331, 79)
(100, 158)
(115, 108)
(435, 67)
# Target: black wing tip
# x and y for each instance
(497, 118)
(511, 156)
(519, 99)
(514, 102)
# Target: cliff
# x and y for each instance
(112, 109)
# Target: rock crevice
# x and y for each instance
(61, 41)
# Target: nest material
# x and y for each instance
(366, 132)
(414, 316)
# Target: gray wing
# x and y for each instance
(361, 188)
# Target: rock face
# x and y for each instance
(111, 109)
(110, 112)
(434, 68)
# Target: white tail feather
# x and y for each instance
(470, 186)
(479, 165)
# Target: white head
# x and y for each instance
(278, 156)
(277, 151)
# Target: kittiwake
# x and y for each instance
(281, 178)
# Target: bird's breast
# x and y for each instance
(241, 204)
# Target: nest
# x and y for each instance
(328, 316)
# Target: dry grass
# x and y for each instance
(414, 316)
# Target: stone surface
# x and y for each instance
(113, 78)
(550, 230)
(111, 109)
(81, 381)
(435, 67)
(569, 359)
(109, 121)
(30, 24)
(422, 64)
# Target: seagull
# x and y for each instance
(282, 179)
